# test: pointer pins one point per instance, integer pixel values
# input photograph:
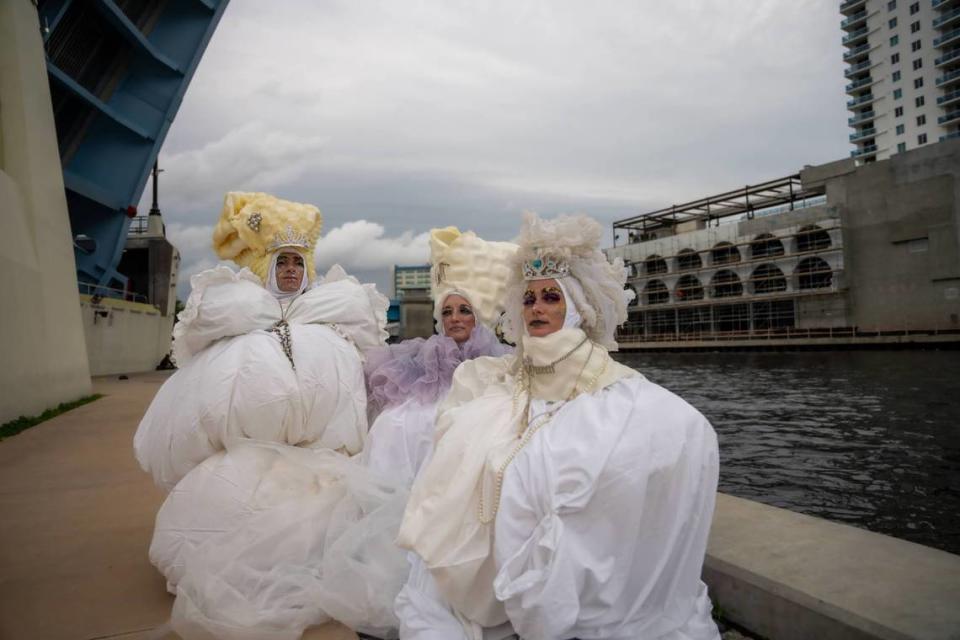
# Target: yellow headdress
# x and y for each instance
(252, 226)
(462, 262)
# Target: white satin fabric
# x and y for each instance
(235, 381)
(293, 538)
(401, 440)
(270, 526)
(602, 524)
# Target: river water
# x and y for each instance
(867, 438)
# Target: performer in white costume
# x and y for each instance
(406, 381)
(259, 362)
(567, 496)
(270, 527)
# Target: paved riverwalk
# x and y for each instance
(77, 514)
(76, 518)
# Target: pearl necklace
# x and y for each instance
(532, 428)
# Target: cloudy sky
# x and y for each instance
(395, 117)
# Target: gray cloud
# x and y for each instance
(414, 115)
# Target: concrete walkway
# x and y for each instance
(76, 518)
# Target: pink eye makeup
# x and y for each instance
(550, 295)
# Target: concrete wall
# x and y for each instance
(788, 576)
(124, 337)
(41, 334)
(901, 221)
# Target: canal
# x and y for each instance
(867, 438)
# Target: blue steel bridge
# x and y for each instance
(118, 70)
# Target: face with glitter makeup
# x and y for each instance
(458, 319)
(544, 307)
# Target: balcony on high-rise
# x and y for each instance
(951, 58)
(865, 152)
(866, 98)
(852, 5)
(855, 37)
(857, 19)
(949, 99)
(947, 19)
(859, 85)
(856, 53)
(855, 69)
(949, 79)
(950, 37)
(861, 118)
(863, 134)
(949, 117)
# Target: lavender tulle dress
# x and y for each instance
(406, 382)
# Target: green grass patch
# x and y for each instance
(14, 427)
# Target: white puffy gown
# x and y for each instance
(270, 526)
(603, 517)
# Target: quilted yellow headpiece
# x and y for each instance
(252, 226)
(463, 263)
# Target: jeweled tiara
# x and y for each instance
(543, 267)
(289, 238)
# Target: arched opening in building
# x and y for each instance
(768, 278)
(654, 264)
(688, 259)
(724, 253)
(688, 288)
(813, 273)
(812, 238)
(766, 245)
(656, 292)
(726, 284)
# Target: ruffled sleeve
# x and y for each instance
(604, 519)
(222, 303)
(358, 310)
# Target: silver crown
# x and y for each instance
(543, 267)
(289, 238)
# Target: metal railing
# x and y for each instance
(947, 37)
(864, 99)
(854, 69)
(952, 55)
(628, 334)
(870, 149)
(950, 116)
(857, 17)
(863, 117)
(856, 51)
(859, 83)
(856, 35)
(98, 291)
(945, 18)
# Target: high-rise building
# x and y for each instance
(903, 60)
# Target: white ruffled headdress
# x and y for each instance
(568, 248)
